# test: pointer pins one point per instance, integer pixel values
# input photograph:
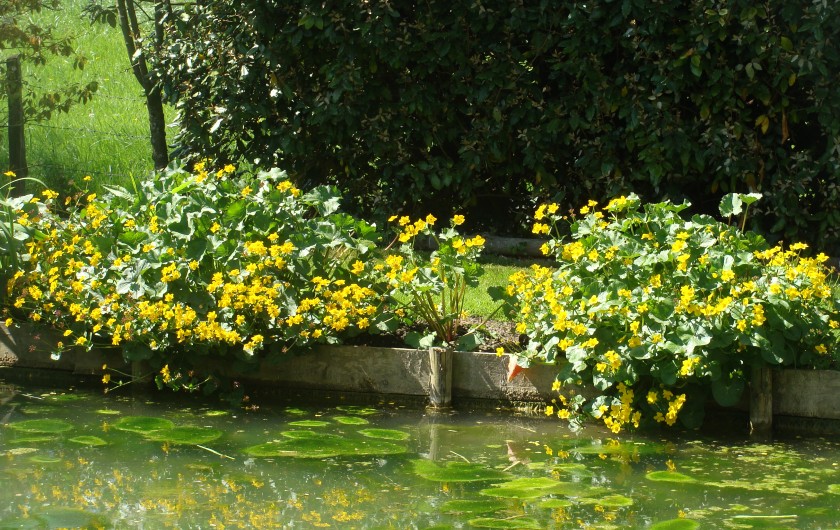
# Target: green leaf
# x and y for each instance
(730, 204)
(786, 43)
(421, 342)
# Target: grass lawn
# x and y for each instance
(108, 138)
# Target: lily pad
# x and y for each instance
(457, 472)
(216, 413)
(60, 517)
(763, 521)
(522, 488)
(309, 423)
(676, 524)
(294, 411)
(465, 506)
(614, 501)
(44, 459)
(351, 420)
(357, 410)
(42, 426)
(309, 444)
(34, 439)
(670, 476)
(385, 434)
(108, 412)
(92, 441)
(519, 523)
(555, 503)
(17, 451)
(143, 424)
(185, 435)
(834, 488)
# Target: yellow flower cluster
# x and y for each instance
(620, 413)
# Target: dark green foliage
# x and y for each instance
(437, 105)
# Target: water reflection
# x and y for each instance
(80, 459)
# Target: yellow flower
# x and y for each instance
(215, 228)
(106, 379)
(430, 219)
(87, 178)
(820, 348)
(458, 220)
(9, 322)
(549, 411)
(500, 351)
(9, 173)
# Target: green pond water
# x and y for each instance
(78, 459)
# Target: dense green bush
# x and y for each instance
(486, 103)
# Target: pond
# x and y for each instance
(78, 459)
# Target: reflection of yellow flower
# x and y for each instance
(106, 379)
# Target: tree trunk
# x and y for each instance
(154, 103)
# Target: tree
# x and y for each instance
(125, 12)
(35, 43)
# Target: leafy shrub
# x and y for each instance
(192, 265)
(654, 311)
(442, 106)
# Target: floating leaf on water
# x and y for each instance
(216, 413)
(143, 424)
(185, 435)
(676, 524)
(294, 411)
(555, 503)
(302, 435)
(615, 501)
(309, 444)
(108, 412)
(35, 439)
(16, 451)
(42, 426)
(834, 488)
(60, 517)
(357, 410)
(351, 420)
(385, 434)
(670, 476)
(519, 523)
(44, 459)
(763, 521)
(309, 423)
(464, 506)
(92, 441)
(457, 472)
(522, 488)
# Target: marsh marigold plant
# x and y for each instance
(430, 290)
(655, 312)
(191, 264)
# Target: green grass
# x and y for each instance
(108, 138)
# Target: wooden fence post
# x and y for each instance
(17, 143)
(761, 401)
